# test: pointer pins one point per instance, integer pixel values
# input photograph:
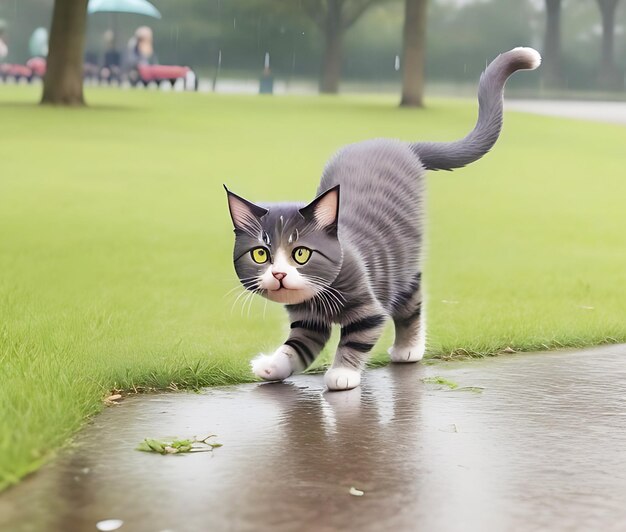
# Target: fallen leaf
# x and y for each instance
(112, 399)
(195, 445)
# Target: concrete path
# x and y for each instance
(610, 112)
(541, 447)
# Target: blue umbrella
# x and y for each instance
(138, 7)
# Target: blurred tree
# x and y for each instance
(463, 37)
(413, 53)
(63, 82)
(551, 68)
(334, 18)
(610, 77)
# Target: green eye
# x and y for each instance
(259, 255)
(301, 255)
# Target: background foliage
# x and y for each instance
(462, 35)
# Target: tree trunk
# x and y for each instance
(333, 51)
(552, 45)
(413, 53)
(610, 77)
(63, 82)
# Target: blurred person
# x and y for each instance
(38, 43)
(112, 64)
(140, 52)
(141, 48)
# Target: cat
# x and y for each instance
(353, 256)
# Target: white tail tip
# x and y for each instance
(532, 56)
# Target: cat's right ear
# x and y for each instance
(324, 209)
(244, 213)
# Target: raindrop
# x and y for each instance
(267, 60)
(396, 64)
(109, 524)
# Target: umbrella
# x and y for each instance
(138, 7)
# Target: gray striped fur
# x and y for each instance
(366, 264)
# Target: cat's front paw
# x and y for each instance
(276, 367)
(407, 354)
(342, 378)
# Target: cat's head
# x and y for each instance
(287, 252)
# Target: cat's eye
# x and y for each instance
(259, 255)
(301, 255)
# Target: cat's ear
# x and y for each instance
(324, 209)
(243, 212)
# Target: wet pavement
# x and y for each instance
(610, 112)
(527, 442)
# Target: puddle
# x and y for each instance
(541, 447)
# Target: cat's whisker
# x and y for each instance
(243, 297)
(247, 304)
(330, 297)
(243, 280)
(248, 283)
(251, 300)
(245, 284)
(242, 294)
(244, 301)
(326, 303)
(324, 283)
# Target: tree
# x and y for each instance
(552, 45)
(63, 83)
(413, 53)
(334, 18)
(610, 77)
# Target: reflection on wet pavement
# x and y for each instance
(542, 447)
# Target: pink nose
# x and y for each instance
(279, 275)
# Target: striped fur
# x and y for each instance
(365, 232)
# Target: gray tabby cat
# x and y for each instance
(357, 261)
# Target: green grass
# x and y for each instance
(115, 241)
(440, 381)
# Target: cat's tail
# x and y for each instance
(449, 155)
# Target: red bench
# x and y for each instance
(8, 70)
(36, 68)
(158, 73)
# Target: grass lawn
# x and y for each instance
(115, 241)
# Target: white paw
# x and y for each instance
(342, 378)
(412, 353)
(276, 367)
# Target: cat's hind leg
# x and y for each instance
(305, 342)
(409, 319)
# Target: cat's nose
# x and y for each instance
(279, 275)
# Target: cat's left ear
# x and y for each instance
(324, 209)
(243, 212)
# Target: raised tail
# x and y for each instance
(450, 155)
